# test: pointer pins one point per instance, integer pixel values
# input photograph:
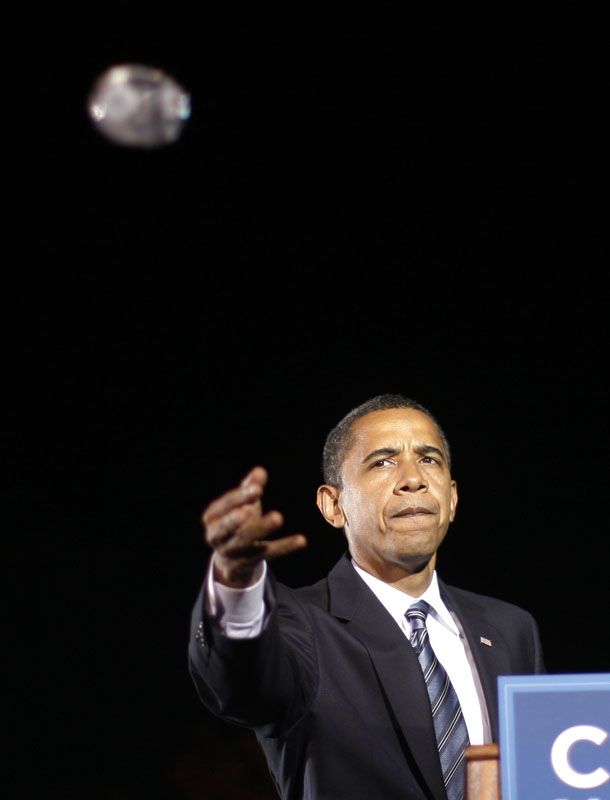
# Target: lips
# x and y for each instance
(412, 511)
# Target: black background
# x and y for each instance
(355, 206)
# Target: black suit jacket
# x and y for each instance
(334, 690)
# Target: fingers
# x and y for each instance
(233, 531)
(257, 475)
(258, 549)
(246, 519)
(284, 546)
(238, 566)
(238, 531)
(235, 520)
(231, 501)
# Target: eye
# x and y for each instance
(382, 462)
(430, 460)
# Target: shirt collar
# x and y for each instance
(397, 602)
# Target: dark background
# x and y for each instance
(355, 206)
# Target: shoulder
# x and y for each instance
(340, 581)
(315, 594)
(485, 605)
(500, 621)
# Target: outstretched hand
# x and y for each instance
(237, 529)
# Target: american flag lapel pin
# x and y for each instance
(486, 641)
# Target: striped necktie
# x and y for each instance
(449, 725)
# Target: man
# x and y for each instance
(331, 676)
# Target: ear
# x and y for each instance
(454, 501)
(327, 500)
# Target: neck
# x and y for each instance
(416, 584)
(412, 581)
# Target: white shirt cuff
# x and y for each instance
(241, 612)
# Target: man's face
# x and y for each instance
(397, 497)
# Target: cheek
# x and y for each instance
(371, 517)
(361, 508)
(445, 499)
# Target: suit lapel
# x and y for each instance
(395, 663)
(489, 650)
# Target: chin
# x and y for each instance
(412, 562)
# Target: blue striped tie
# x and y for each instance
(449, 725)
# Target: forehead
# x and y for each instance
(392, 427)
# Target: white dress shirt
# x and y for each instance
(449, 644)
(241, 615)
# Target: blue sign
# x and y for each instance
(555, 737)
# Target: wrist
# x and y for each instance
(236, 576)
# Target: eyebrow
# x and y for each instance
(422, 449)
(428, 449)
(381, 451)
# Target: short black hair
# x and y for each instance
(339, 440)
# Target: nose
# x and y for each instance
(410, 479)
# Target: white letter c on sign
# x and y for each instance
(560, 753)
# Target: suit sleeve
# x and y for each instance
(539, 666)
(266, 683)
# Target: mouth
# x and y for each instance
(413, 511)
